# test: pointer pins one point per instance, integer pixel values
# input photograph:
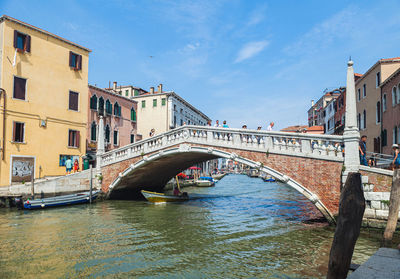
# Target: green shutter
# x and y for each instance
(163, 102)
(154, 102)
(143, 104)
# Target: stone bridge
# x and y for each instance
(314, 165)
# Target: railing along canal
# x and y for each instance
(328, 147)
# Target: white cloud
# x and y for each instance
(251, 49)
(257, 16)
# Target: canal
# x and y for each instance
(242, 228)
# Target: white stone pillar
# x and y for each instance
(100, 145)
(351, 135)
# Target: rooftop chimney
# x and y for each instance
(160, 88)
(151, 90)
(115, 86)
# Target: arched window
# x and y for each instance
(378, 112)
(394, 135)
(115, 137)
(93, 102)
(117, 109)
(384, 102)
(394, 96)
(101, 106)
(398, 94)
(108, 107)
(133, 114)
(107, 134)
(93, 132)
(364, 120)
(359, 121)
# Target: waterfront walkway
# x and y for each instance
(385, 263)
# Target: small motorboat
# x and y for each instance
(60, 200)
(160, 197)
(269, 179)
(205, 181)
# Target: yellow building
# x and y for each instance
(44, 101)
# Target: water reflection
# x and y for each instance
(241, 228)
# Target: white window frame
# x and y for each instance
(359, 94)
(394, 96)
(384, 102)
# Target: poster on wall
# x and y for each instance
(64, 158)
(22, 169)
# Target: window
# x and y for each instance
(174, 107)
(73, 138)
(359, 94)
(101, 106)
(93, 102)
(394, 135)
(126, 93)
(22, 42)
(394, 96)
(181, 110)
(93, 132)
(384, 138)
(107, 134)
(136, 93)
(132, 138)
(378, 112)
(108, 107)
(115, 138)
(384, 102)
(19, 88)
(378, 79)
(398, 94)
(75, 61)
(364, 90)
(364, 120)
(117, 110)
(18, 131)
(359, 121)
(154, 102)
(181, 122)
(163, 101)
(143, 104)
(73, 100)
(133, 114)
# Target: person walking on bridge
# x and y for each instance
(271, 125)
(362, 148)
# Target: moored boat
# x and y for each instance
(269, 179)
(160, 197)
(60, 200)
(205, 181)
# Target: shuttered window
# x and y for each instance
(101, 106)
(73, 100)
(108, 107)
(93, 132)
(132, 138)
(107, 134)
(73, 138)
(143, 104)
(19, 88)
(75, 61)
(115, 137)
(18, 131)
(22, 42)
(163, 101)
(93, 102)
(117, 110)
(133, 114)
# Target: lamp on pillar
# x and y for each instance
(351, 135)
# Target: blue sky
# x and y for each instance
(247, 62)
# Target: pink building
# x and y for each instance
(120, 120)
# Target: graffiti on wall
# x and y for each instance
(22, 168)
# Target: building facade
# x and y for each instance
(127, 90)
(340, 112)
(369, 107)
(163, 111)
(43, 99)
(316, 114)
(390, 102)
(120, 120)
(329, 113)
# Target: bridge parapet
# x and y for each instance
(326, 147)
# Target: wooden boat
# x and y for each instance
(60, 200)
(270, 179)
(205, 181)
(160, 197)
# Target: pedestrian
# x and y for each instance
(217, 124)
(271, 125)
(68, 165)
(224, 125)
(152, 132)
(209, 123)
(258, 137)
(362, 148)
(396, 157)
(76, 165)
(244, 127)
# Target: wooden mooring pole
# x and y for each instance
(91, 184)
(394, 206)
(351, 212)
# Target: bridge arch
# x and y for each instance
(140, 174)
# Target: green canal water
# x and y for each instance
(242, 228)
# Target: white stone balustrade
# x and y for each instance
(327, 147)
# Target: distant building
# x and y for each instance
(316, 114)
(390, 102)
(126, 90)
(340, 113)
(163, 111)
(304, 129)
(368, 95)
(120, 120)
(329, 113)
(45, 78)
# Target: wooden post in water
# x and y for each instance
(351, 212)
(91, 184)
(394, 206)
(33, 183)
